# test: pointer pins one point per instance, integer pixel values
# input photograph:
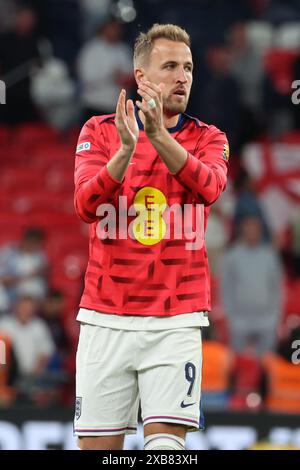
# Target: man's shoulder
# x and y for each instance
(95, 122)
(202, 127)
(99, 124)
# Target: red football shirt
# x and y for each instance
(150, 272)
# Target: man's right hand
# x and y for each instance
(126, 123)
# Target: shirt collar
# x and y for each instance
(176, 128)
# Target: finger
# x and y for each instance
(123, 106)
(147, 89)
(121, 117)
(118, 112)
(119, 105)
(130, 109)
(154, 87)
(146, 96)
(143, 107)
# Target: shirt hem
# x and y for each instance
(104, 309)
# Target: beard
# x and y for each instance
(172, 106)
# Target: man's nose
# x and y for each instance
(181, 77)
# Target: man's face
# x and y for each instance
(25, 310)
(171, 63)
(251, 231)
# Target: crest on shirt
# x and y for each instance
(225, 153)
(78, 405)
(83, 146)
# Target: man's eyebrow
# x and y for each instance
(173, 62)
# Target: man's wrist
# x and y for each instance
(127, 151)
(158, 136)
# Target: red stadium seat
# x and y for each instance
(11, 226)
(32, 133)
(21, 178)
(31, 202)
(59, 179)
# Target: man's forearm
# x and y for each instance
(205, 181)
(170, 151)
(101, 186)
(118, 165)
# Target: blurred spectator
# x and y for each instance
(251, 289)
(31, 340)
(53, 92)
(18, 56)
(24, 266)
(94, 12)
(247, 203)
(52, 314)
(282, 377)
(217, 371)
(247, 68)
(104, 67)
(219, 94)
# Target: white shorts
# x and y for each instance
(119, 369)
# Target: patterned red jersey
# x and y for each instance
(137, 265)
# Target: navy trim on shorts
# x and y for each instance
(171, 417)
(105, 430)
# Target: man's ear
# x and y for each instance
(139, 75)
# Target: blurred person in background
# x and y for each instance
(104, 66)
(54, 94)
(18, 56)
(51, 312)
(94, 12)
(247, 68)
(24, 266)
(281, 384)
(247, 203)
(32, 342)
(219, 96)
(251, 282)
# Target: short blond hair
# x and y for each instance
(145, 41)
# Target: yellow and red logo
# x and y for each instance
(149, 226)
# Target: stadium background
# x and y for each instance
(246, 57)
